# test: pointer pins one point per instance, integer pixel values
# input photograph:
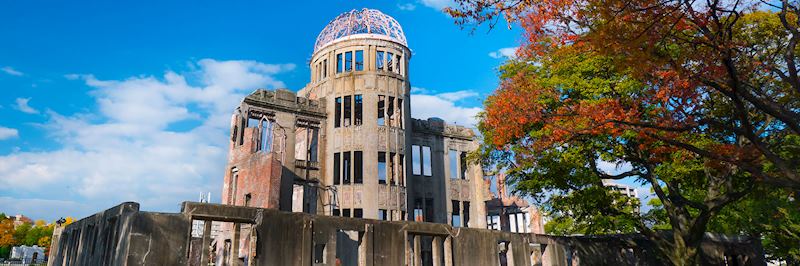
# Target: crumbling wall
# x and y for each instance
(125, 236)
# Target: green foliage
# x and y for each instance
(5, 252)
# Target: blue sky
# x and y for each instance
(104, 102)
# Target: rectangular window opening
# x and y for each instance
(346, 167)
(426, 161)
(463, 160)
(348, 112)
(339, 65)
(455, 217)
(336, 168)
(381, 109)
(381, 168)
(360, 60)
(348, 61)
(359, 104)
(453, 161)
(347, 247)
(400, 114)
(390, 111)
(379, 60)
(416, 160)
(389, 63)
(338, 113)
(358, 164)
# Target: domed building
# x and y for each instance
(346, 145)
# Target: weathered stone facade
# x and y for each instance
(357, 159)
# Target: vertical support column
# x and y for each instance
(448, 251)
(366, 248)
(417, 251)
(436, 247)
(234, 259)
(206, 248)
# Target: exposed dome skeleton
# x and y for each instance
(364, 21)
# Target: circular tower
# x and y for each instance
(360, 70)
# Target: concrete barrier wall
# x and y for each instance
(123, 235)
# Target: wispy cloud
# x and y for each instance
(7, 133)
(22, 106)
(406, 6)
(127, 150)
(457, 95)
(444, 106)
(438, 4)
(503, 53)
(11, 71)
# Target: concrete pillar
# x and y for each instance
(205, 249)
(234, 258)
(417, 251)
(448, 251)
(436, 247)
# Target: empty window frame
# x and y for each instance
(453, 162)
(426, 161)
(397, 64)
(306, 142)
(466, 213)
(338, 113)
(463, 160)
(325, 68)
(455, 215)
(346, 167)
(416, 160)
(359, 109)
(358, 167)
(391, 176)
(360, 60)
(339, 64)
(389, 62)
(401, 171)
(358, 213)
(337, 168)
(400, 112)
(348, 244)
(419, 216)
(390, 111)
(429, 211)
(381, 110)
(348, 61)
(381, 168)
(346, 213)
(262, 136)
(382, 215)
(379, 58)
(348, 112)
(234, 180)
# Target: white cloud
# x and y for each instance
(22, 106)
(508, 52)
(438, 4)
(7, 133)
(11, 71)
(418, 90)
(457, 95)
(127, 151)
(407, 6)
(444, 106)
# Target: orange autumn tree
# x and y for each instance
(700, 99)
(743, 58)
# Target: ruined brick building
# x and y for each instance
(346, 144)
(345, 147)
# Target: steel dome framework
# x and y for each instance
(364, 21)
